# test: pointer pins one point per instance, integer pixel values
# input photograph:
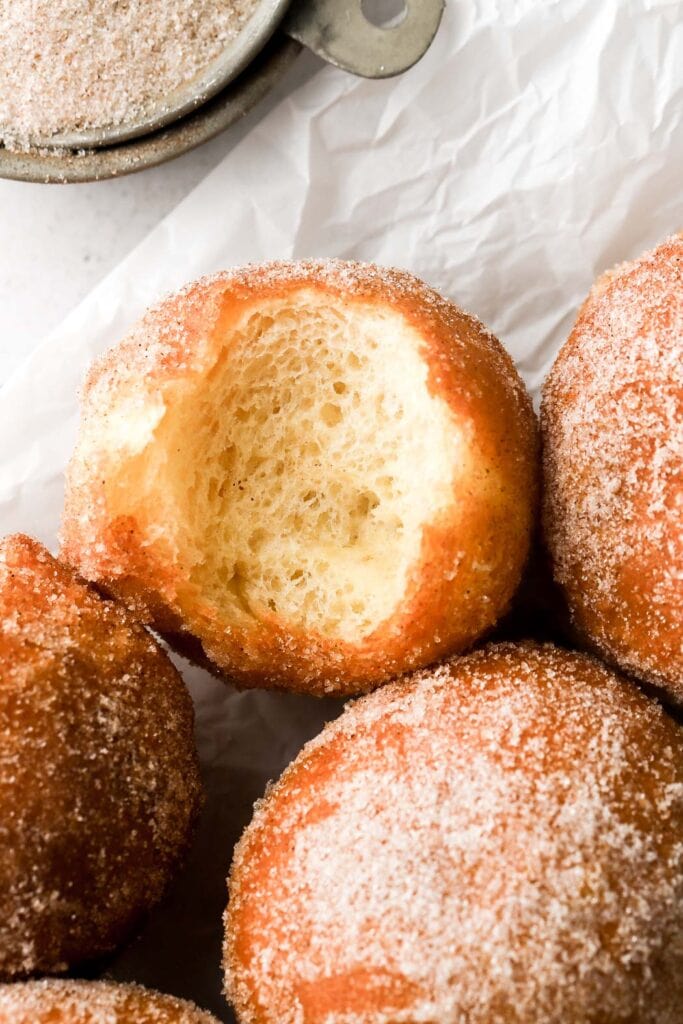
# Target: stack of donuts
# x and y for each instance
(322, 477)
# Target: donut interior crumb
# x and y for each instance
(296, 475)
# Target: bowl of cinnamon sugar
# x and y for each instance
(95, 88)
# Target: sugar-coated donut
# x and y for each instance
(53, 1001)
(497, 840)
(313, 475)
(99, 783)
(612, 422)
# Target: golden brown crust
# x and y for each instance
(612, 421)
(93, 1002)
(99, 783)
(497, 840)
(471, 558)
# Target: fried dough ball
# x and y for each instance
(613, 466)
(99, 783)
(93, 1002)
(312, 475)
(497, 840)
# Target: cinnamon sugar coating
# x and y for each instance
(497, 840)
(99, 782)
(612, 424)
(311, 475)
(93, 1002)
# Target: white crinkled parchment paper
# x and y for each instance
(536, 144)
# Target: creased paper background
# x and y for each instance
(536, 144)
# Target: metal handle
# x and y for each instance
(339, 32)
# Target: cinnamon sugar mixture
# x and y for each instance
(70, 65)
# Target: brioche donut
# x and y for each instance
(99, 781)
(497, 840)
(311, 475)
(613, 466)
(52, 1001)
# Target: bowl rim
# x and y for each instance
(188, 96)
(62, 166)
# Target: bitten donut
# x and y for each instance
(99, 782)
(312, 475)
(497, 840)
(93, 1002)
(612, 420)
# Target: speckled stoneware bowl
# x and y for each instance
(62, 166)
(339, 31)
